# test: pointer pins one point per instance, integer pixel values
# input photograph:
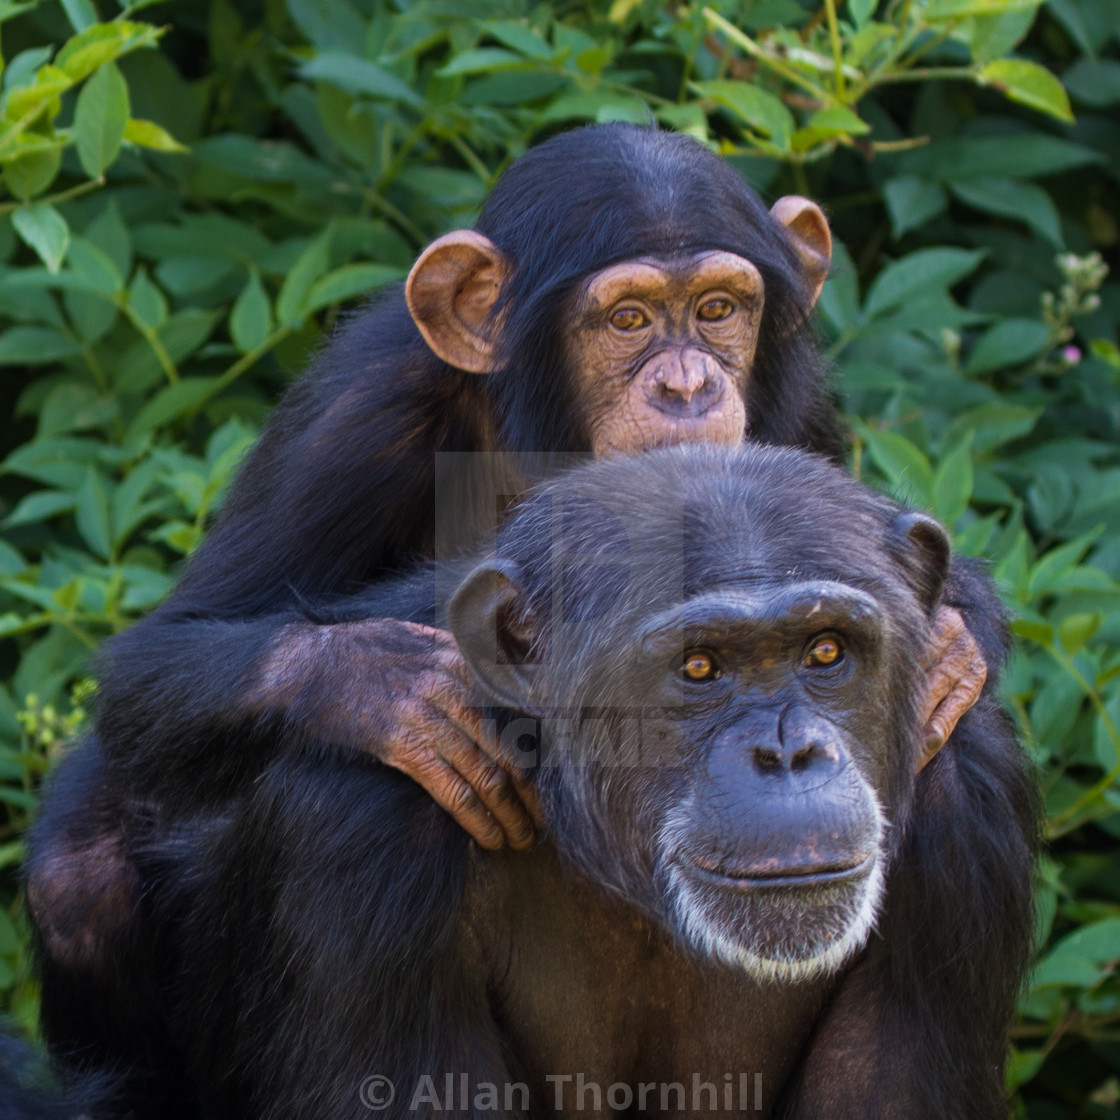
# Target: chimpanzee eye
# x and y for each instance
(700, 665)
(824, 651)
(713, 310)
(628, 319)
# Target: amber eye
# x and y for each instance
(713, 310)
(825, 650)
(699, 665)
(628, 319)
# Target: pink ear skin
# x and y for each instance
(451, 293)
(807, 228)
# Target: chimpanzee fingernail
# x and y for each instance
(934, 742)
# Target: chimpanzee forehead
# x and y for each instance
(657, 278)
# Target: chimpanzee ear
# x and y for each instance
(489, 617)
(807, 228)
(451, 292)
(921, 546)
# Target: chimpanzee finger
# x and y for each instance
(948, 627)
(494, 786)
(450, 789)
(502, 786)
(956, 683)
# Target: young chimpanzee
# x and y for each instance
(719, 654)
(622, 290)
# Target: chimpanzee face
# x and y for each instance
(769, 846)
(662, 351)
(726, 716)
(658, 350)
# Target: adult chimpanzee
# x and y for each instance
(728, 682)
(623, 289)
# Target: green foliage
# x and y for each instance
(191, 204)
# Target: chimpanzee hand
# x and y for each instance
(401, 691)
(957, 672)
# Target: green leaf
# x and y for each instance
(485, 60)
(30, 175)
(911, 202)
(838, 121)
(267, 161)
(358, 76)
(917, 275)
(352, 280)
(1022, 1065)
(1094, 81)
(1028, 84)
(250, 322)
(43, 228)
(80, 13)
(146, 302)
(904, 465)
(148, 134)
(959, 9)
(102, 43)
(10, 10)
(34, 346)
(600, 106)
(1076, 629)
(100, 120)
(92, 514)
(1081, 957)
(329, 23)
(93, 268)
(1057, 562)
(1014, 155)
(1025, 202)
(997, 34)
(291, 305)
(762, 111)
(170, 404)
(512, 87)
(1007, 344)
(952, 483)
(40, 506)
(862, 10)
(519, 37)
(71, 406)
(9, 939)
(1040, 632)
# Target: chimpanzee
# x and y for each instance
(623, 289)
(748, 896)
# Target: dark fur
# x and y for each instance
(336, 924)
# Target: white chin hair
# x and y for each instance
(716, 940)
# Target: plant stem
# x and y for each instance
(755, 51)
(834, 38)
(965, 73)
(54, 199)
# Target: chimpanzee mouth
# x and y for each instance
(817, 875)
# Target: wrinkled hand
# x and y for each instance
(957, 672)
(402, 691)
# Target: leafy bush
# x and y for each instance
(192, 203)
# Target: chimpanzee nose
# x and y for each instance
(802, 744)
(796, 757)
(683, 383)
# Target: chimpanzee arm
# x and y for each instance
(918, 1029)
(352, 975)
(193, 708)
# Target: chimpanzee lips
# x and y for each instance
(772, 878)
